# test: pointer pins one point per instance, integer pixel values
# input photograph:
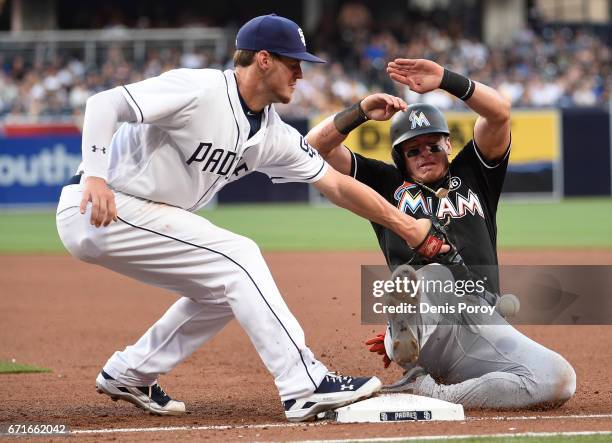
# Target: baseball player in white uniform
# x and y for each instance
(185, 135)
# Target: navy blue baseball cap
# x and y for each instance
(275, 34)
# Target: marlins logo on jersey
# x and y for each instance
(410, 200)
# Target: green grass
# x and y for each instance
(572, 223)
(29, 232)
(7, 367)
(297, 227)
(525, 439)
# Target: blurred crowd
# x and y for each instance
(553, 67)
(61, 88)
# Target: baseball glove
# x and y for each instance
(429, 251)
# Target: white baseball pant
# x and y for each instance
(218, 274)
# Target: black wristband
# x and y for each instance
(347, 120)
(458, 85)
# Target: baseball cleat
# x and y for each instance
(334, 391)
(403, 327)
(152, 399)
(407, 383)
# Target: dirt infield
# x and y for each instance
(68, 316)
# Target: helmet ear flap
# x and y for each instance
(398, 159)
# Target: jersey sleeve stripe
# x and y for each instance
(304, 180)
(135, 103)
(482, 160)
(318, 172)
(354, 164)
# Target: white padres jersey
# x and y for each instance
(191, 139)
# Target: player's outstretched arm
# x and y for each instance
(327, 136)
(492, 128)
(350, 194)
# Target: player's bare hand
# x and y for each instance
(422, 227)
(419, 75)
(382, 106)
(102, 198)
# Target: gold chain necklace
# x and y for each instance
(442, 192)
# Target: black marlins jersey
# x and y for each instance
(469, 208)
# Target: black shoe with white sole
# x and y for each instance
(152, 398)
(334, 391)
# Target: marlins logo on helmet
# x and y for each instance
(418, 119)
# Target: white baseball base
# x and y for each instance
(398, 408)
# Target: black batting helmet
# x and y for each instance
(417, 119)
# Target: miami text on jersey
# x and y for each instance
(455, 205)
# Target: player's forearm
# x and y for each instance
(331, 132)
(484, 100)
(324, 137)
(365, 202)
(489, 104)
